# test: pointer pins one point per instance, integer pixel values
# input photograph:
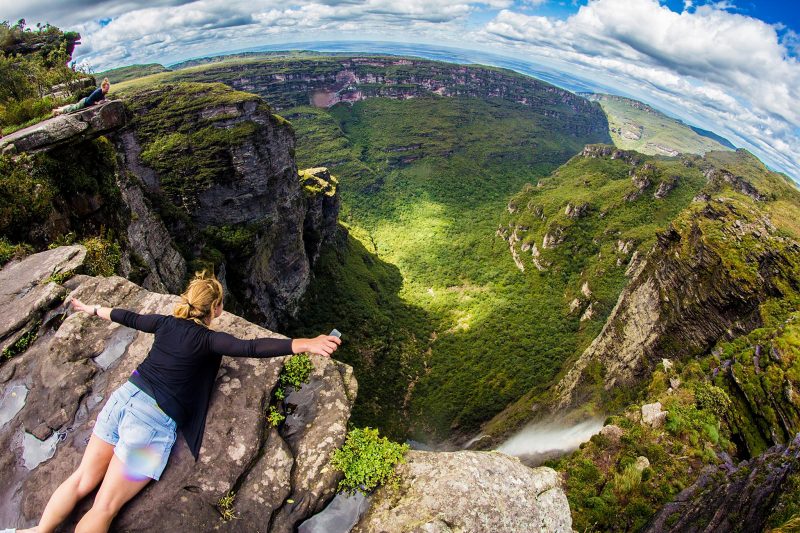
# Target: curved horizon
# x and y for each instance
(728, 69)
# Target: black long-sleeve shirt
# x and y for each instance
(96, 96)
(180, 370)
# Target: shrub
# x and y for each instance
(274, 417)
(367, 461)
(25, 195)
(9, 251)
(297, 370)
(712, 398)
(102, 256)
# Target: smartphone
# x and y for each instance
(335, 333)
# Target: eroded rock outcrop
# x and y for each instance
(469, 491)
(86, 124)
(250, 212)
(65, 376)
(731, 498)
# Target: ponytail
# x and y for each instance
(202, 296)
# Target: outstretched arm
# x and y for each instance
(226, 344)
(321, 345)
(102, 312)
(146, 323)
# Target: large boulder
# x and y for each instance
(85, 124)
(468, 491)
(278, 476)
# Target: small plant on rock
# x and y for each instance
(297, 370)
(21, 344)
(274, 417)
(225, 506)
(367, 461)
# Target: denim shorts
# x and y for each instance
(142, 434)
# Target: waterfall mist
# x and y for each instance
(546, 440)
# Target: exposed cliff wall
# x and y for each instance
(217, 167)
(53, 390)
(703, 282)
(325, 81)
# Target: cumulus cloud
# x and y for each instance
(709, 65)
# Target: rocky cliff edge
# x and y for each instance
(71, 362)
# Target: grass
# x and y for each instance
(225, 507)
(636, 126)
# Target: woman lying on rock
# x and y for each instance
(97, 95)
(170, 389)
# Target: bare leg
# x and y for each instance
(83, 481)
(116, 490)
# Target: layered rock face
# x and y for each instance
(218, 168)
(66, 129)
(469, 491)
(53, 390)
(702, 283)
(731, 498)
(326, 81)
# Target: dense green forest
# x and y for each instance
(425, 184)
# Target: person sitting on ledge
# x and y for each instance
(136, 429)
(98, 95)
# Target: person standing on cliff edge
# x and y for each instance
(97, 95)
(170, 389)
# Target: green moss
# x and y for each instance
(314, 183)
(22, 343)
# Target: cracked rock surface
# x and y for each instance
(468, 491)
(87, 123)
(67, 387)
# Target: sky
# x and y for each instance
(730, 66)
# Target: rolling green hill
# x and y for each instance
(131, 72)
(637, 126)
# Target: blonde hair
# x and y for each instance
(202, 296)
(105, 82)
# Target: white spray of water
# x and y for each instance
(545, 439)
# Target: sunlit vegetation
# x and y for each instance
(33, 61)
(637, 126)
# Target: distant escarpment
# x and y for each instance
(325, 81)
(212, 182)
